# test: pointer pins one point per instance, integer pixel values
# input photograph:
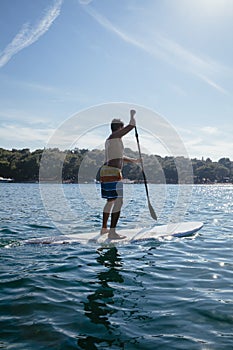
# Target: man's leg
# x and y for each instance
(114, 219)
(106, 212)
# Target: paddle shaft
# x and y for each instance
(140, 156)
(152, 212)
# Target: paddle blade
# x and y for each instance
(152, 212)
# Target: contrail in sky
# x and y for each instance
(28, 34)
(166, 50)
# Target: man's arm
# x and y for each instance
(120, 133)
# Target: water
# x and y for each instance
(169, 294)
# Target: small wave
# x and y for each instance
(41, 226)
(7, 231)
(217, 315)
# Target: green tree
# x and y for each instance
(221, 172)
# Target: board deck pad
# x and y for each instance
(179, 229)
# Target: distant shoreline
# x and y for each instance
(128, 184)
(82, 165)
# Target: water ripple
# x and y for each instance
(170, 294)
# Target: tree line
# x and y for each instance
(82, 165)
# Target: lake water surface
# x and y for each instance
(168, 294)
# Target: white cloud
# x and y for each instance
(208, 141)
(213, 84)
(109, 26)
(210, 130)
(85, 2)
(17, 135)
(23, 116)
(28, 35)
(167, 50)
(215, 151)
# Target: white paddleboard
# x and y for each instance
(179, 229)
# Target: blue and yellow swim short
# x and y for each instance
(111, 184)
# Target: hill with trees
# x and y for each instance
(82, 165)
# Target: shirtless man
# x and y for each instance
(111, 176)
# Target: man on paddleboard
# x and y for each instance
(111, 176)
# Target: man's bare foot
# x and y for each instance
(104, 231)
(114, 235)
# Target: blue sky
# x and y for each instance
(59, 57)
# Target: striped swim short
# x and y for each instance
(111, 184)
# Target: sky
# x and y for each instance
(61, 58)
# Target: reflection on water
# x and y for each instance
(97, 307)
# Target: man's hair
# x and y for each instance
(116, 124)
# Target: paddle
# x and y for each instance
(152, 212)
